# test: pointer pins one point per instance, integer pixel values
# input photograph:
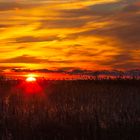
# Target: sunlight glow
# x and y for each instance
(30, 79)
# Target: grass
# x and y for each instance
(70, 110)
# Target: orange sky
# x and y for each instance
(67, 34)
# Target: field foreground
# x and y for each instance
(70, 110)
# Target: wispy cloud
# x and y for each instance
(83, 33)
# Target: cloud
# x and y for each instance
(88, 53)
(6, 6)
(2, 68)
(132, 8)
(129, 32)
(124, 28)
(95, 11)
(33, 60)
(127, 65)
(22, 59)
(62, 23)
(2, 26)
(124, 60)
(27, 39)
(87, 34)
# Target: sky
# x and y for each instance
(70, 34)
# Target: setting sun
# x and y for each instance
(30, 79)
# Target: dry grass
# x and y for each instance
(71, 110)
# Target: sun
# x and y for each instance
(30, 78)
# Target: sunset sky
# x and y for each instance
(70, 34)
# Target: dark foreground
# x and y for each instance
(70, 110)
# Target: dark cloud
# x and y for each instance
(27, 39)
(132, 8)
(123, 60)
(62, 23)
(124, 27)
(125, 33)
(127, 65)
(130, 1)
(3, 68)
(34, 60)
(30, 70)
(89, 52)
(21, 47)
(98, 11)
(106, 8)
(117, 59)
(22, 59)
(26, 59)
(4, 26)
(6, 6)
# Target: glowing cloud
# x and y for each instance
(87, 34)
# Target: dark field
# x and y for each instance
(70, 110)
